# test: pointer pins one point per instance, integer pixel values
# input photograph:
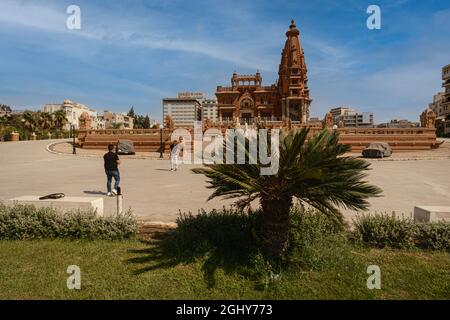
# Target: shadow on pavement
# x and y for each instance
(96, 192)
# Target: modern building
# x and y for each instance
(112, 120)
(200, 96)
(247, 99)
(184, 110)
(209, 110)
(73, 113)
(351, 118)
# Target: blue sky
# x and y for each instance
(134, 53)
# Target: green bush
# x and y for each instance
(225, 230)
(435, 236)
(316, 242)
(28, 222)
(387, 231)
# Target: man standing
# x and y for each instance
(175, 150)
(112, 170)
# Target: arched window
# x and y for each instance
(246, 103)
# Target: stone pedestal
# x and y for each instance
(431, 214)
(64, 204)
(33, 136)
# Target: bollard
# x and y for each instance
(119, 201)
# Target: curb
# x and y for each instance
(51, 145)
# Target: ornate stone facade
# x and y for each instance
(248, 101)
(85, 121)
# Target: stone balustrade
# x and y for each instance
(400, 139)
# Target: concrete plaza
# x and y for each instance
(154, 193)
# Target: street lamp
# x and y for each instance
(161, 143)
(72, 128)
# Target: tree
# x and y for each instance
(59, 119)
(138, 122)
(45, 120)
(4, 107)
(313, 171)
(131, 112)
(146, 123)
(30, 121)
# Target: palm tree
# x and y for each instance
(59, 119)
(313, 171)
(45, 120)
(29, 121)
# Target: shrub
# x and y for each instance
(315, 241)
(28, 222)
(225, 230)
(435, 236)
(385, 231)
(227, 239)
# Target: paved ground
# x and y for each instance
(154, 193)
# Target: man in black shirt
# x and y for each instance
(112, 170)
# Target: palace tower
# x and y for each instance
(247, 100)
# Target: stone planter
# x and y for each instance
(15, 136)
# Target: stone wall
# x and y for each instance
(148, 140)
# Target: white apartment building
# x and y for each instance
(352, 118)
(73, 112)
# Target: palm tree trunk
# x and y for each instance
(274, 233)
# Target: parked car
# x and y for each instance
(125, 147)
(377, 150)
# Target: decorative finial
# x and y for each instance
(292, 26)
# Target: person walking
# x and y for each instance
(175, 148)
(112, 162)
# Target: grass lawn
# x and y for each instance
(128, 270)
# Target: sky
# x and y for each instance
(136, 52)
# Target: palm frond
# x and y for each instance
(312, 169)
